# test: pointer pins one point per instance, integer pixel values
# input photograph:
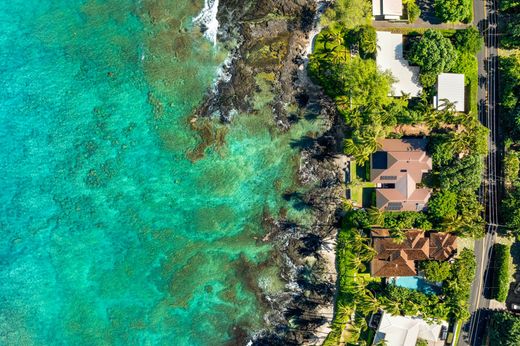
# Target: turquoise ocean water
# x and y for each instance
(109, 233)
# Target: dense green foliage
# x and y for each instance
(413, 10)
(443, 205)
(436, 271)
(406, 220)
(511, 211)
(511, 168)
(509, 68)
(457, 167)
(502, 255)
(407, 302)
(504, 329)
(457, 286)
(509, 5)
(509, 24)
(468, 40)
(511, 29)
(348, 13)
(354, 298)
(434, 53)
(453, 10)
(510, 110)
(358, 87)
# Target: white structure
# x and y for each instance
(404, 331)
(387, 9)
(390, 57)
(450, 86)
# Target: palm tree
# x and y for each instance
(399, 235)
(447, 106)
(340, 54)
(367, 303)
(391, 306)
(367, 253)
(344, 311)
(325, 38)
(376, 216)
(358, 263)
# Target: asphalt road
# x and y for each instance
(485, 18)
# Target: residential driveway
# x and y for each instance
(426, 20)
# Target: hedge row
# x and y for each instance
(502, 259)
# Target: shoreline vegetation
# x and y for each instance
(343, 64)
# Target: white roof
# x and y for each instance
(404, 330)
(450, 86)
(390, 57)
(393, 8)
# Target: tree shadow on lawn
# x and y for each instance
(369, 194)
(428, 12)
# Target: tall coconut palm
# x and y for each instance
(367, 303)
(344, 311)
(399, 235)
(391, 306)
(377, 217)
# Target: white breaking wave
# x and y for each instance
(207, 19)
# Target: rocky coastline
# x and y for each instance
(273, 36)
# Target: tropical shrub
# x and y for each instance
(354, 298)
(434, 54)
(457, 286)
(414, 12)
(508, 5)
(504, 329)
(468, 40)
(360, 90)
(453, 10)
(348, 13)
(511, 30)
(509, 68)
(436, 271)
(511, 168)
(406, 220)
(502, 258)
(407, 302)
(443, 205)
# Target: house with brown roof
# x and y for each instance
(442, 246)
(397, 169)
(395, 259)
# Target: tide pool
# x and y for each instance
(117, 226)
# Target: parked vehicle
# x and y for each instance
(517, 288)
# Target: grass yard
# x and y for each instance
(361, 189)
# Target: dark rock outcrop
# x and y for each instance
(271, 36)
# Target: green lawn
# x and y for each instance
(361, 190)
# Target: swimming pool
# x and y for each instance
(416, 283)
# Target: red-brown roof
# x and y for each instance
(398, 259)
(442, 246)
(394, 259)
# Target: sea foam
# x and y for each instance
(207, 19)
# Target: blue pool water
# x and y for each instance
(416, 283)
